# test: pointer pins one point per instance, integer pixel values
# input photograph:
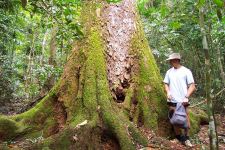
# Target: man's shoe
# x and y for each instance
(181, 138)
(188, 143)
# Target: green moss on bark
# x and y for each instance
(128, 99)
(34, 119)
(197, 117)
(9, 128)
(195, 123)
(150, 94)
(99, 92)
(112, 120)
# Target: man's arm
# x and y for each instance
(190, 90)
(166, 86)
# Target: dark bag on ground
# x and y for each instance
(179, 116)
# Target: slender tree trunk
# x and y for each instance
(53, 47)
(29, 70)
(49, 83)
(221, 66)
(212, 123)
(27, 75)
(43, 47)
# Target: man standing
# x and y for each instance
(179, 85)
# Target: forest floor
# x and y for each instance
(200, 141)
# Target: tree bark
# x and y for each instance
(109, 90)
(221, 66)
(29, 70)
(43, 47)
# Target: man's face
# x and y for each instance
(174, 62)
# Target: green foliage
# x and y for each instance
(8, 5)
(113, 1)
(6, 89)
(25, 39)
(141, 6)
(219, 3)
(200, 3)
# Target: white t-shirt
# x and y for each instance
(178, 81)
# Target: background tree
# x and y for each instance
(212, 123)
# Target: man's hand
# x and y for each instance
(186, 99)
(169, 97)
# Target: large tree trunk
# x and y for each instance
(110, 87)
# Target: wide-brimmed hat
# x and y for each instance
(174, 56)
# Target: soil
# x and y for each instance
(200, 141)
(203, 134)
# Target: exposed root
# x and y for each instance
(60, 115)
(109, 141)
